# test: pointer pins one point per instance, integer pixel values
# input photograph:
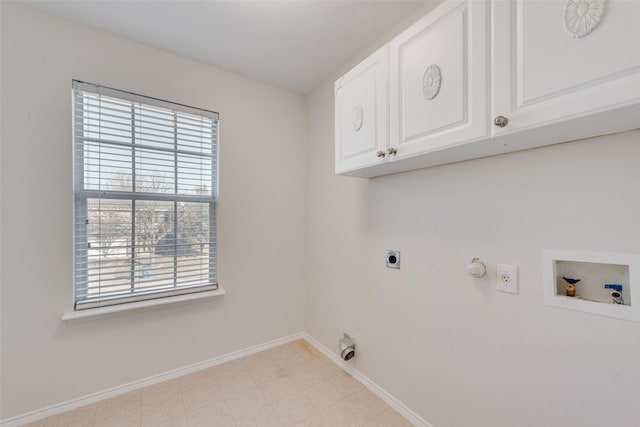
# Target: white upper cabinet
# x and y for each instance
(559, 59)
(361, 114)
(475, 78)
(439, 80)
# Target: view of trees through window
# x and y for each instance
(162, 249)
(145, 195)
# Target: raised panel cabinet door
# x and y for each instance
(555, 60)
(361, 114)
(439, 79)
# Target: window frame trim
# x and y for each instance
(178, 293)
(149, 304)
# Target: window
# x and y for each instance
(145, 186)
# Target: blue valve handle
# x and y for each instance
(615, 287)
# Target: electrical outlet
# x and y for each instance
(507, 279)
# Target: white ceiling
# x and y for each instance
(293, 44)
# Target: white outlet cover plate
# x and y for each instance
(507, 279)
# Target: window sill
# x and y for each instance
(92, 313)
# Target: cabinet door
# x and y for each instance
(439, 79)
(560, 59)
(361, 113)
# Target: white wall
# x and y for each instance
(446, 345)
(261, 215)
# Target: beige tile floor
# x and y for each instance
(289, 385)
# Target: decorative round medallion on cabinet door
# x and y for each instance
(583, 16)
(357, 117)
(431, 81)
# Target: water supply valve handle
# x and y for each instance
(476, 268)
(613, 286)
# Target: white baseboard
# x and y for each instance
(95, 397)
(400, 407)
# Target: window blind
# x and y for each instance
(145, 185)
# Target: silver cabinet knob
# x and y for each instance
(381, 154)
(500, 121)
(392, 151)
